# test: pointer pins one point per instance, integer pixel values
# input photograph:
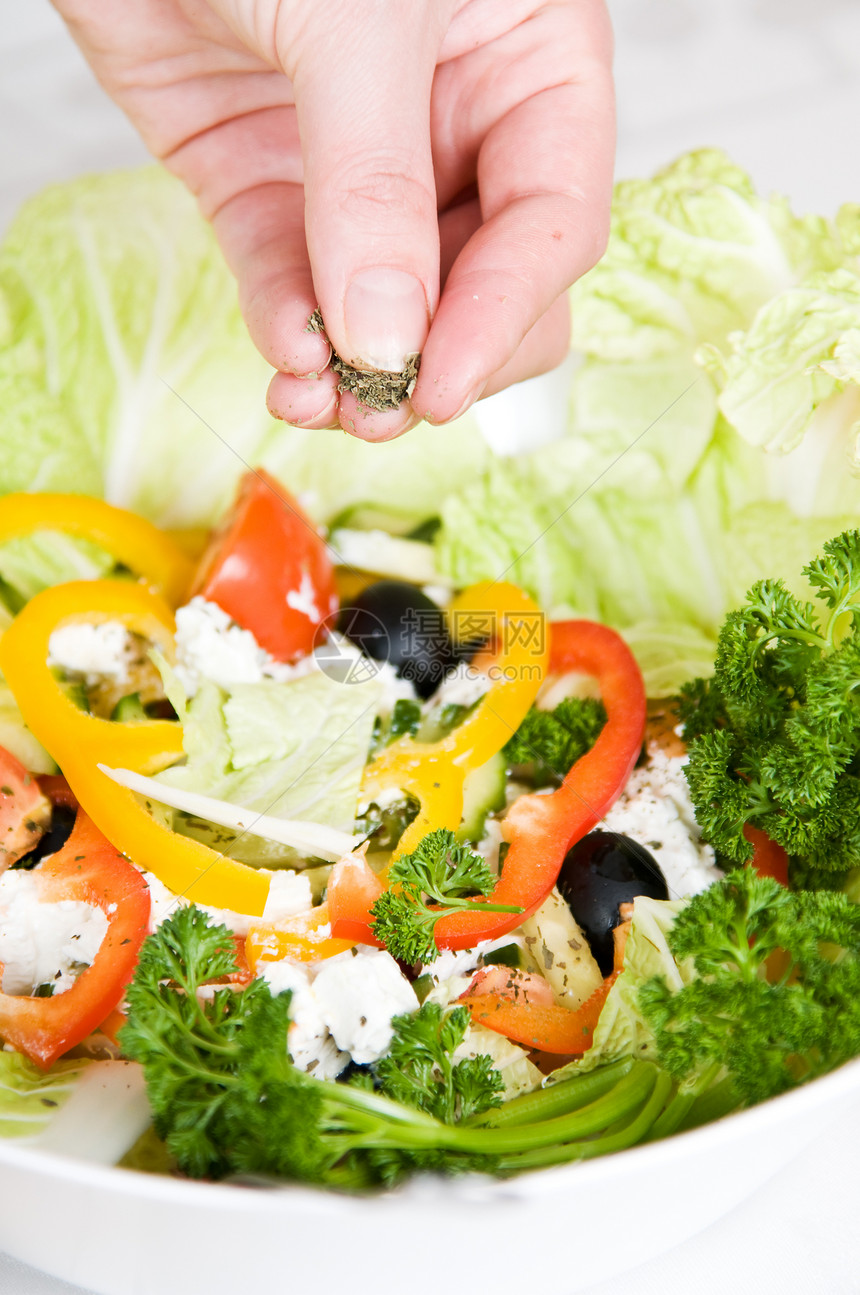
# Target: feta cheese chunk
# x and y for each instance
(359, 993)
(97, 651)
(341, 1007)
(309, 1041)
(210, 645)
(303, 600)
(44, 943)
(655, 809)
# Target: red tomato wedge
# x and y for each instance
(90, 870)
(558, 1030)
(353, 889)
(25, 813)
(268, 568)
(769, 859)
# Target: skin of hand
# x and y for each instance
(434, 174)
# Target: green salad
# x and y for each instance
(699, 516)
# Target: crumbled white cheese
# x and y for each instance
(162, 902)
(341, 1007)
(359, 993)
(441, 595)
(387, 797)
(209, 645)
(97, 651)
(303, 600)
(44, 943)
(655, 809)
(394, 688)
(462, 686)
(309, 1040)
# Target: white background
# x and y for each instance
(775, 83)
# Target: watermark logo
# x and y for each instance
(351, 645)
(425, 644)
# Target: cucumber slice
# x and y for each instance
(483, 793)
(129, 709)
(509, 955)
(370, 517)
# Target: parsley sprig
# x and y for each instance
(549, 743)
(777, 997)
(775, 735)
(419, 1068)
(227, 1100)
(440, 872)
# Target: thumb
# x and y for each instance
(362, 83)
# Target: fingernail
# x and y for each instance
(386, 318)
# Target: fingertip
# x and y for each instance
(304, 402)
(372, 424)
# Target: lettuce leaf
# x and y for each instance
(801, 354)
(693, 254)
(713, 425)
(294, 750)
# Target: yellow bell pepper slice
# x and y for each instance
(434, 773)
(79, 742)
(305, 938)
(132, 540)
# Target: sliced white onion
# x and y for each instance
(104, 1116)
(310, 838)
(385, 555)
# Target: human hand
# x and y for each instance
(396, 162)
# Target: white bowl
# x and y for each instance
(117, 1232)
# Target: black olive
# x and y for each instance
(62, 822)
(601, 872)
(394, 621)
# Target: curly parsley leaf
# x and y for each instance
(549, 743)
(440, 872)
(419, 1069)
(777, 998)
(775, 735)
(227, 1099)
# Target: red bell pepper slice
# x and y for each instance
(540, 829)
(90, 870)
(353, 889)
